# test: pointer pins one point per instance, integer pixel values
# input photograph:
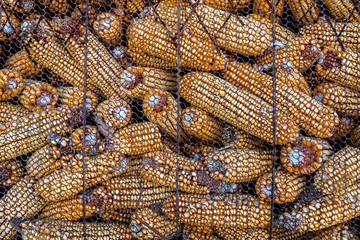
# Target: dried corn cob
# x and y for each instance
(132, 6)
(238, 165)
(344, 128)
(119, 215)
(154, 39)
(343, 10)
(326, 37)
(147, 224)
(302, 52)
(344, 100)
(135, 192)
(237, 107)
(200, 124)
(265, 9)
(341, 231)
(58, 6)
(44, 161)
(228, 5)
(77, 97)
(10, 172)
(109, 27)
(111, 115)
(305, 155)
(161, 108)
(136, 139)
(37, 96)
(240, 211)
(33, 129)
(251, 234)
(81, 206)
(9, 111)
(189, 235)
(339, 171)
(79, 13)
(11, 84)
(22, 63)
(237, 138)
(139, 80)
(304, 11)
(312, 116)
(21, 6)
(9, 25)
(58, 230)
(287, 186)
(339, 66)
(86, 140)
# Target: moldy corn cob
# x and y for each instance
(237, 138)
(86, 140)
(11, 84)
(109, 27)
(11, 171)
(21, 6)
(9, 26)
(9, 111)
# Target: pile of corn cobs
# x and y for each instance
(179, 119)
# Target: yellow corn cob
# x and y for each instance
(339, 66)
(139, 80)
(10, 26)
(109, 27)
(9, 111)
(302, 52)
(33, 129)
(200, 124)
(79, 13)
(132, 6)
(237, 138)
(11, 84)
(265, 9)
(304, 11)
(322, 213)
(240, 211)
(354, 138)
(325, 36)
(344, 100)
(306, 155)
(251, 234)
(342, 10)
(228, 5)
(82, 171)
(341, 231)
(161, 108)
(111, 115)
(10, 172)
(37, 96)
(344, 128)
(119, 215)
(86, 140)
(238, 165)
(152, 38)
(136, 139)
(135, 192)
(21, 6)
(44, 161)
(73, 209)
(58, 6)
(147, 224)
(57, 230)
(312, 116)
(77, 97)
(339, 171)
(287, 186)
(237, 107)
(22, 63)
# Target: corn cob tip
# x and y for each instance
(11, 84)
(130, 80)
(157, 101)
(119, 53)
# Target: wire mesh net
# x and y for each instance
(179, 119)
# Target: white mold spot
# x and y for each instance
(277, 45)
(188, 117)
(319, 97)
(154, 99)
(8, 28)
(267, 191)
(296, 156)
(121, 113)
(45, 100)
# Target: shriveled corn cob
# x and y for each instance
(239, 211)
(200, 124)
(304, 11)
(237, 138)
(10, 172)
(49, 229)
(147, 224)
(109, 27)
(9, 111)
(139, 80)
(9, 25)
(21, 62)
(344, 100)
(37, 96)
(341, 231)
(152, 38)
(339, 66)
(323, 212)
(265, 9)
(111, 115)
(119, 215)
(343, 10)
(339, 171)
(228, 5)
(302, 52)
(86, 140)
(326, 37)
(344, 128)
(238, 165)
(29, 133)
(312, 116)
(136, 139)
(135, 192)
(77, 97)
(251, 234)
(11, 84)
(305, 155)
(21, 6)
(161, 108)
(288, 186)
(237, 107)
